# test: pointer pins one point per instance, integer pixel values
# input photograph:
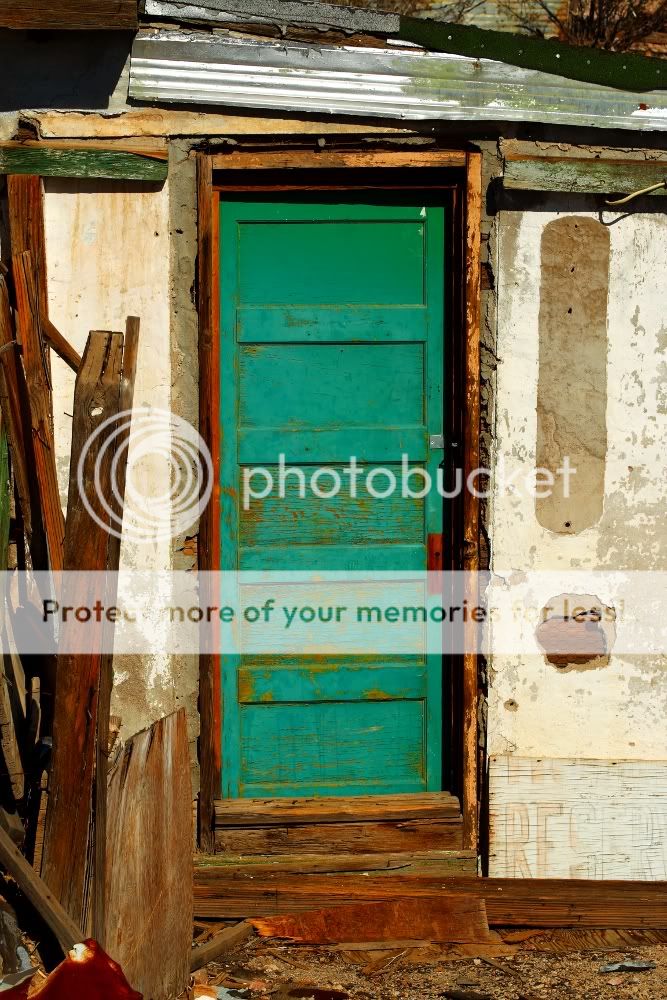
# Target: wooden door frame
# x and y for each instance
(210, 756)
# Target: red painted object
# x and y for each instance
(87, 972)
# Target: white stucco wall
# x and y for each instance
(108, 256)
(564, 728)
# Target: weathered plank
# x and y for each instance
(148, 885)
(440, 864)
(36, 892)
(294, 12)
(61, 345)
(96, 399)
(220, 944)
(325, 838)
(581, 176)
(50, 161)
(70, 15)
(126, 397)
(38, 381)
(509, 902)
(440, 917)
(142, 122)
(591, 819)
(362, 808)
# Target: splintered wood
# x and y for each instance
(435, 918)
(149, 861)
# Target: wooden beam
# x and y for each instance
(209, 525)
(148, 886)
(45, 160)
(37, 375)
(66, 841)
(509, 902)
(37, 893)
(328, 159)
(70, 15)
(130, 354)
(473, 212)
(221, 944)
(25, 201)
(578, 175)
(60, 345)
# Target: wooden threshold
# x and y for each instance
(439, 864)
(357, 809)
(509, 902)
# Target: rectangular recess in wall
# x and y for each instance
(572, 383)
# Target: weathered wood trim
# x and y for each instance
(210, 748)
(83, 160)
(70, 15)
(469, 804)
(328, 159)
(577, 175)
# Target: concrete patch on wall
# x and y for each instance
(564, 818)
(572, 381)
(577, 632)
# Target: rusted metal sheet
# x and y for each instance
(181, 66)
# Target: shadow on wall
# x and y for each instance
(60, 69)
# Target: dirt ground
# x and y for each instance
(265, 968)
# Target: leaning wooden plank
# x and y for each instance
(69, 15)
(149, 885)
(103, 163)
(581, 176)
(220, 944)
(9, 741)
(431, 918)
(37, 376)
(66, 839)
(13, 399)
(509, 902)
(130, 351)
(277, 812)
(37, 893)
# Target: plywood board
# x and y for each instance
(584, 819)
(149, 859)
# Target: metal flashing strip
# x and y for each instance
(218, 69)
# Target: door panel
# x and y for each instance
(331, 347)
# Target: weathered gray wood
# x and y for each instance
(582, 176)
(45, 161)
(149, 860)
(36, 892)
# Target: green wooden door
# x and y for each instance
(331, 347)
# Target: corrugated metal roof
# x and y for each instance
(219, 69)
